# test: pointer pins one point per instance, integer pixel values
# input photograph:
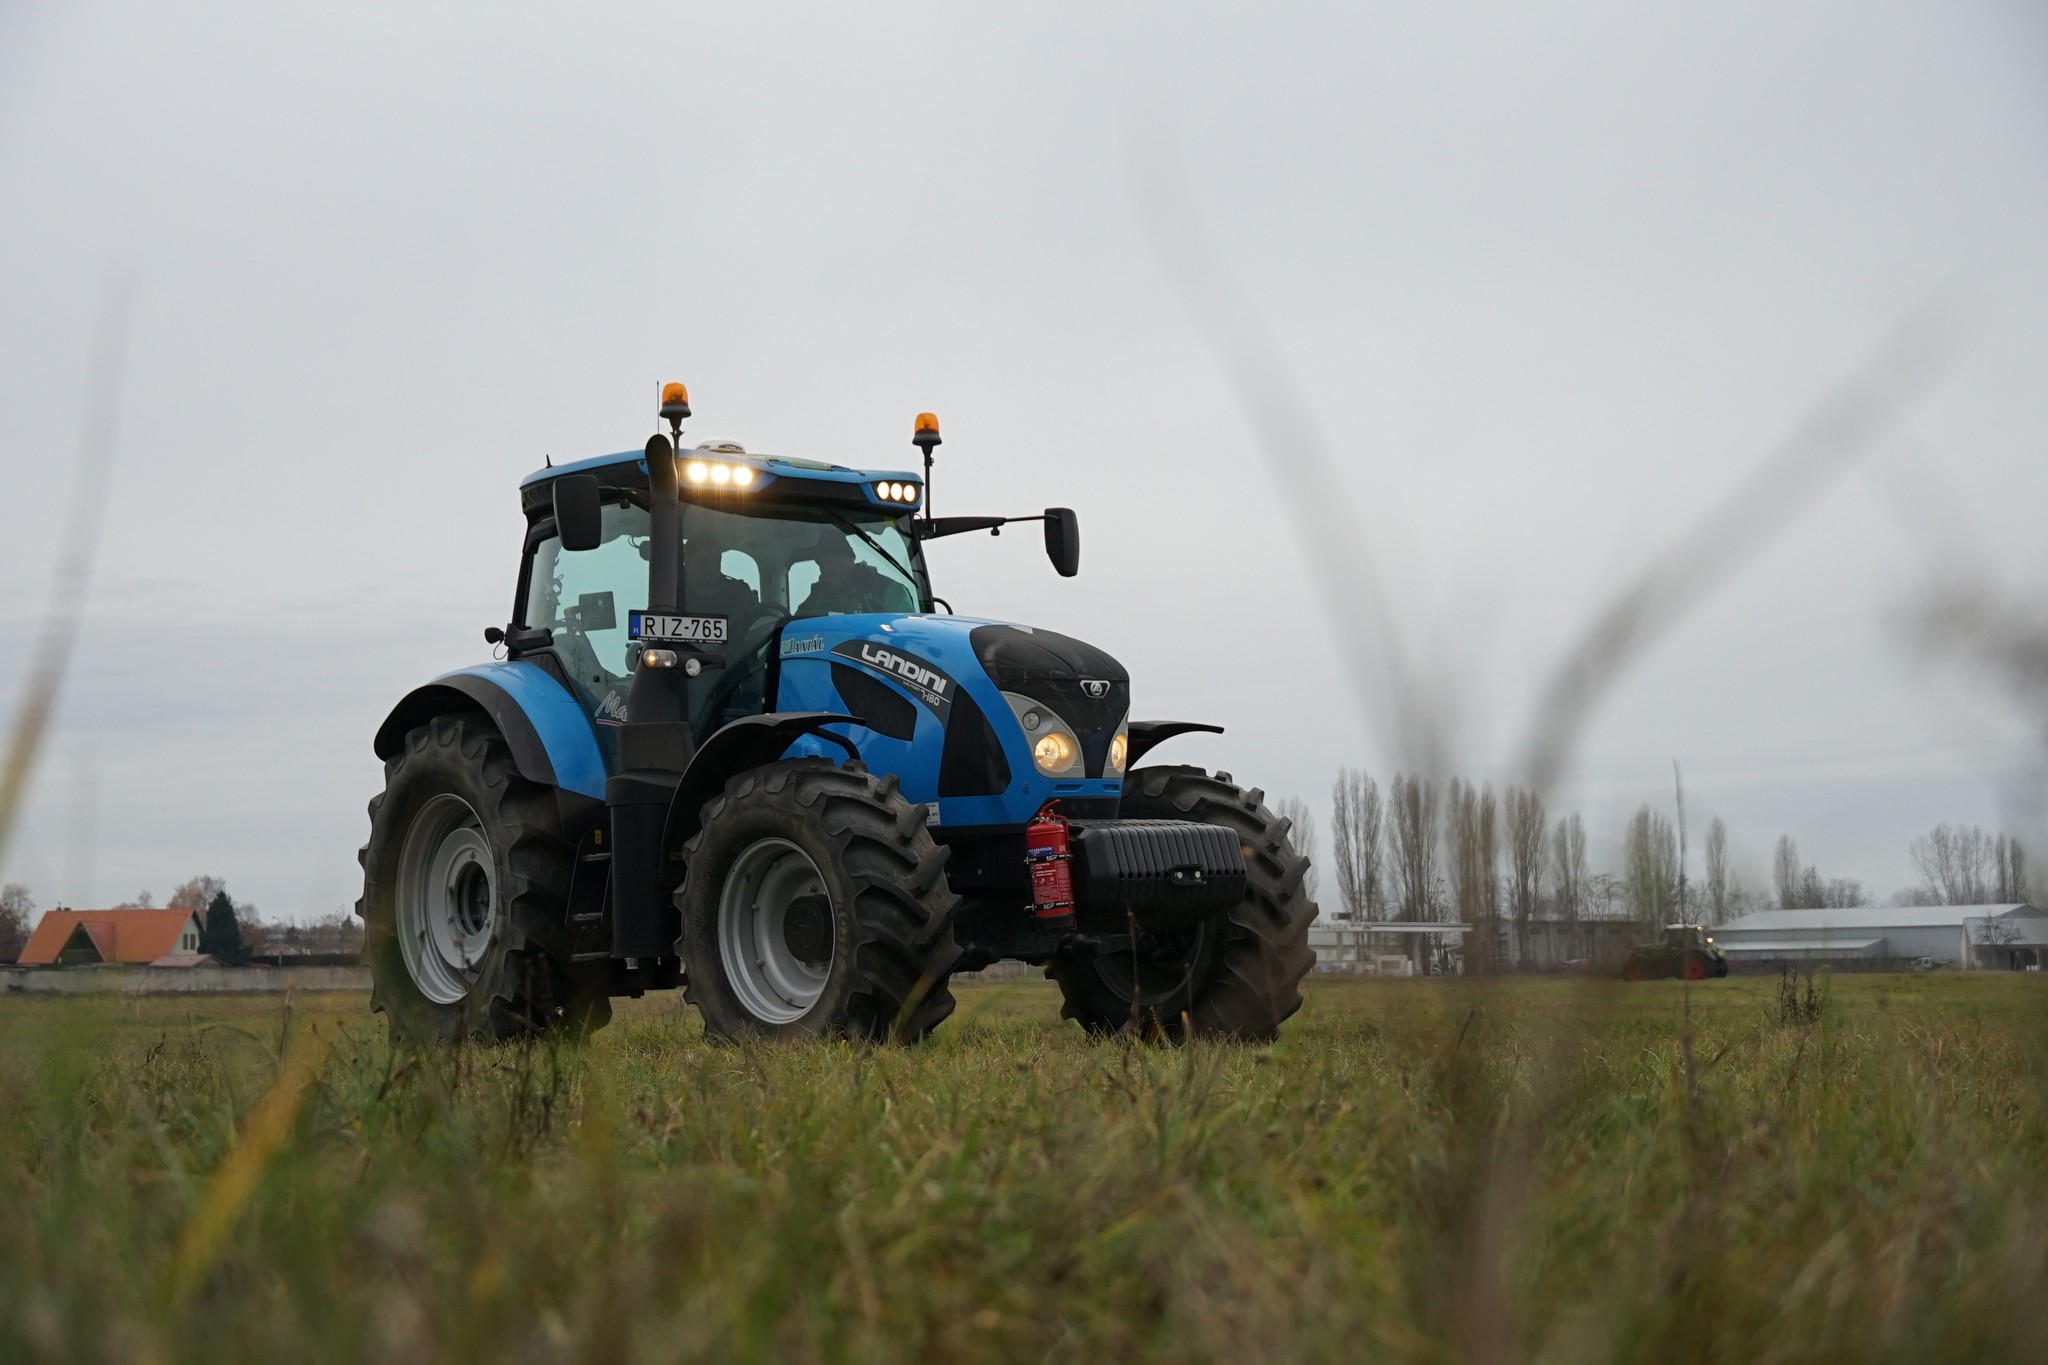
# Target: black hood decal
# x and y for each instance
(924, 680)
(1090, 690)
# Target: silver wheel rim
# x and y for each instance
(447, 898)
(772, 981)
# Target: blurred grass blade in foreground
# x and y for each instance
(91, 486)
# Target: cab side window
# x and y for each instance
(583, 598)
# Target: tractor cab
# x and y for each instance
(760, 541)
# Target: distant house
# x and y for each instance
(1973, 937)
(80, 937)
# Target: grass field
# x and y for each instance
(1419, 1171)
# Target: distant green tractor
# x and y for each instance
(1686, 951)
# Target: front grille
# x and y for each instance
(1053, 669)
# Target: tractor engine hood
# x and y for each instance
(935, 697)
(1089, 689)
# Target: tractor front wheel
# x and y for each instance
(1236, 976)
(465, 879)
(816, 903)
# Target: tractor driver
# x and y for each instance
(846, 586)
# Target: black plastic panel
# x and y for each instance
(875, 703)
(1166, 874)
(972, 762)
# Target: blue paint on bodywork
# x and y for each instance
(806, 685)
(557, 718)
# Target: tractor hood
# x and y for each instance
(930, 693)
(1088, 688)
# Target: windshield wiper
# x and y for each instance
(909, 578)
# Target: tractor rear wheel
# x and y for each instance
(816, 903)
(465, 880)
(1695, 967)
(1236, 976)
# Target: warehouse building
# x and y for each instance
(1970, 937)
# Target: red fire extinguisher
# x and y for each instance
(1052, 870)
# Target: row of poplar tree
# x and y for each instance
(1426, 853)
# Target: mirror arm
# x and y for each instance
(934, 527)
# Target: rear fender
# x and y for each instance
(550, 737)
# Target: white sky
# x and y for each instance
(1551, 277)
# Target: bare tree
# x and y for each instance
(16, 905)
(1411, 845)
(1526, 837)
(1650, 867)
(1475, 885)
(1785, 873)
(197, 894)
(1843, 893)
(1989, 932)
(1301, 832)
(143, 901)
(1715, 883)
(1488, 851)
(2009, 871)
(1958, 864)
(1358, 848)
(1568, 874)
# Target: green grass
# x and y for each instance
(1419, 1171)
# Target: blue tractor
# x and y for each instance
(736, 744)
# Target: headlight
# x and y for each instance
(1055, 748)
(1119, 751)
(1055, 754)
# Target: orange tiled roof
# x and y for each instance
(120, 935)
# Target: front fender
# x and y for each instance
(1147, 735)
(748, 742)
(550, 737)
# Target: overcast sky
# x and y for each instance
(1551, 278)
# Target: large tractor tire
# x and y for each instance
(1237, 976)
(465, 880)
(816, 904)
(1695, 966)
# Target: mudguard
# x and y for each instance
(1147, 735)
(551, 740)
(745, 743)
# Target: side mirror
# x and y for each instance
(1063, 540)
(579, 514)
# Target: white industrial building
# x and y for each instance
(1971, 937)
(1386, 948)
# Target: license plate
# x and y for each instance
(682, 630)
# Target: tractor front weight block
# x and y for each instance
(1158, 874)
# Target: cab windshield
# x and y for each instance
(794, 561)
(757, 569)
